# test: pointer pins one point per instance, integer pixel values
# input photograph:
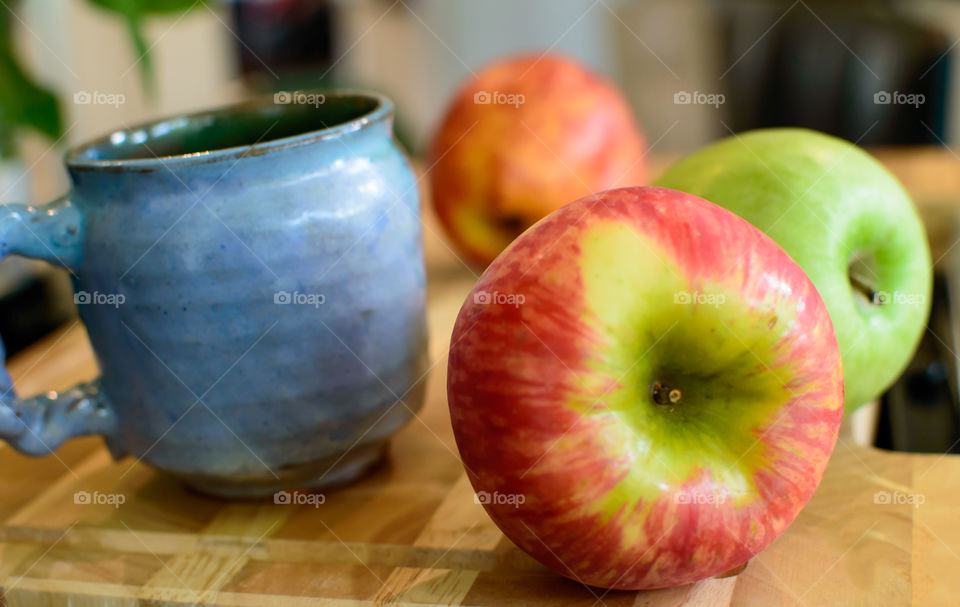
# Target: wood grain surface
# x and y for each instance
(411, 533)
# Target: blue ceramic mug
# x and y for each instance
(252, 281)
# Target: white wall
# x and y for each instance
(420, 52)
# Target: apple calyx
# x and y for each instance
(665, 395)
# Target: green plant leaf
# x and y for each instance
(134, 12)
(23, 101)
(147, 7)
(26, 103)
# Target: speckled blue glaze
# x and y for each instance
(258, 310)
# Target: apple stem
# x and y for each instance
(863, 287)
(664, 394)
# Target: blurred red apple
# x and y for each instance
(524, 137)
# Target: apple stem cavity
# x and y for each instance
(860, 286)
(859, 266)
(512, 224)
(665, 395)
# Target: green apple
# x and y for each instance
(849, 224)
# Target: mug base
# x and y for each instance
(312, 476)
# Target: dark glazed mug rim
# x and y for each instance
(84, 156)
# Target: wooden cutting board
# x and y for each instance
(410, 533)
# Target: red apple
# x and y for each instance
(645, 389)
(521, 139)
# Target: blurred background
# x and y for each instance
(879, 73)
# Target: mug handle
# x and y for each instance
(38, 425)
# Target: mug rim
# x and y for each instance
(75, 161)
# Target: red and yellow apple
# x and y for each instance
(521, 139)
(644, 389)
